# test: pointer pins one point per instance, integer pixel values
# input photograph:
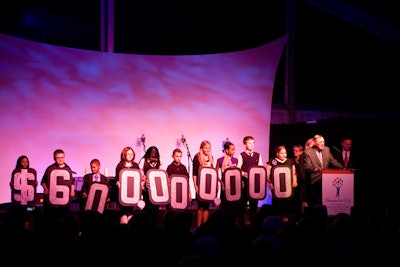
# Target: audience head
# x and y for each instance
(272, 225)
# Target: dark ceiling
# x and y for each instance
(345, 53)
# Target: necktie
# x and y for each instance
(97, 178)
(319, 153)
(346, 159)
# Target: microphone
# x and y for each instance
(183, 139)
(143, 139)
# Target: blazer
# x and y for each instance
(337, 154)
(311, 162)
(88, 181)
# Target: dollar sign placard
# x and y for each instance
(24, 186)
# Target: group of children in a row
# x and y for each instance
(151, 160)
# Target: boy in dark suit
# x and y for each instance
(90, 178)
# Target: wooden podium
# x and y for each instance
(338, 190)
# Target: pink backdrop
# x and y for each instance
(92, 104)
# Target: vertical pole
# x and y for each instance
(107, 26)
(290, 60)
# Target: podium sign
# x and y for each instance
(338, 190)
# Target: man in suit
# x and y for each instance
(344, 155)
(353, 161)
(316, 159)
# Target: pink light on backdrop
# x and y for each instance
(92, 104)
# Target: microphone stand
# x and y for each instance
(188, 153)
(143, 139)
(183, 141)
